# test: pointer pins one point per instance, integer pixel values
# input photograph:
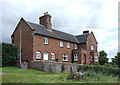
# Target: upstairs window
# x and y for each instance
(96, 58)
(68, 45)
(45, 40)
(75, 57)
(92, 47)
(75, 46)
(65, 57)
(61, 43)
(38, 55)
(52, 56)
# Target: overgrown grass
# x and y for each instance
(17, 75)
(100, 78)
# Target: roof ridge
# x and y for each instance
(63, 32)
(36, 23)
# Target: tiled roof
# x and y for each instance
(40, 29)
(82, 38)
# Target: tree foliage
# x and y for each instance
(118, 54)
(9, 54)
(116, 60)
(103, 57)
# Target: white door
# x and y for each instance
(45, 56)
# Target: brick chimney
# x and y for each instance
(87, 31)
(46, 21)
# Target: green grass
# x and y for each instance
(16, 75)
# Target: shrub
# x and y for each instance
(96, 63)
(108, 65)
(102, 69)
(9, 54)
(90, 74)
(57, 59)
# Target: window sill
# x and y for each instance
(61, 46)
(65, 60)
(45, 43)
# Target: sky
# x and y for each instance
(71, 16)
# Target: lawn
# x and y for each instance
(16, 75)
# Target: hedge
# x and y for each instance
(9, 54)
(98, 68)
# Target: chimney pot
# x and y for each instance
(87, 31)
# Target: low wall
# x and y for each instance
(51, 66)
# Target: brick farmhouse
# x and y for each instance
(41, 42)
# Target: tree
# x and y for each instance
(118, 54)
(103, 57)
(116, 60)
(9, 54)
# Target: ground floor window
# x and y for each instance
(96, 58)
(65, 57)
(38, 55)
(75, 57)
(52, 56)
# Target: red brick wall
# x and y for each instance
(52, 47)
(91, 41)
(26, 40)
(86, 49)
(84, 46)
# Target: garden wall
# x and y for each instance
(51, 66)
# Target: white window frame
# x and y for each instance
(45, 40)
(92, 47)
(75, 57)
(66, 56)
(68, 45)
(75, 46)
(38, 55)
(52, 56)
(91, 58)
(96, 57)
(61, 43)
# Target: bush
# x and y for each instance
(108, 65)
(103, 69)
(9, 54)
(57, 59)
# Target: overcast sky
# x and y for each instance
(71, 16)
